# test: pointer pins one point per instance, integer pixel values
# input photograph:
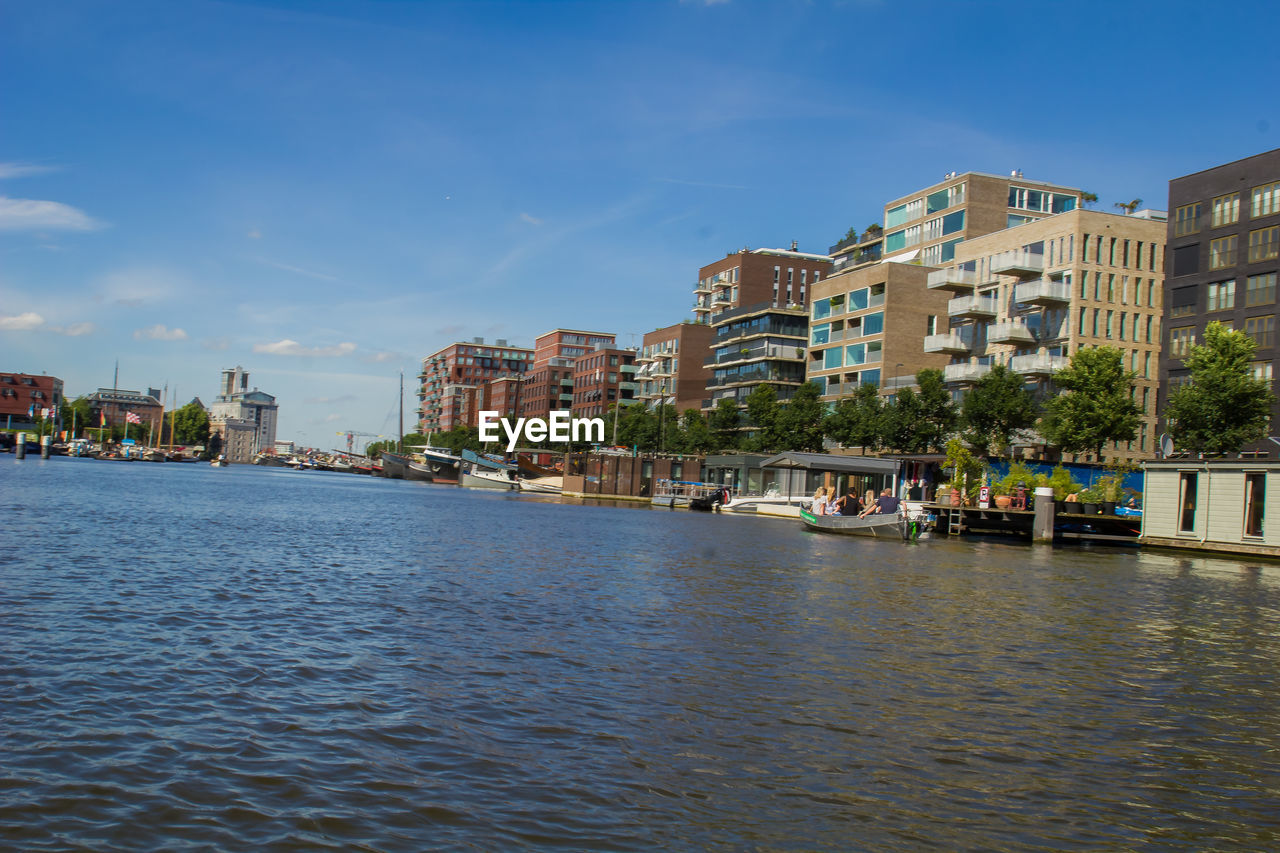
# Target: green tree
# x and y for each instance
(799, 423)
(637, 427)
(458, 439)
(726, 419)
(1223, 407)
(190, 425)
(1096, 404)
(858, 420)
(79, 415)
(763, 410)
(902, 422)
(696, 434)
(937, 410)
(998, 406)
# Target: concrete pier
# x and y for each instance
(20, 446)
(1042, 526)
(46, 446)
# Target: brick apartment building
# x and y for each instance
(549, 384)
(453, 379)
(24, 397)
(664, 375)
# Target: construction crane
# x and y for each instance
(351, 436)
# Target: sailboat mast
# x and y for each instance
(401, 447)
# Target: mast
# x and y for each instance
(400, 448)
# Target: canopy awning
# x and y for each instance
(827, 462)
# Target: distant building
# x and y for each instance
(602, 378)
(1029, 296)
(112, 407)
(757, 345)
(780, 278)
(244, 419)
(663, 374)
(550, 379)
(1224, 250)
(453, 378)
(24, 397)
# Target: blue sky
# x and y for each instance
(326, 192)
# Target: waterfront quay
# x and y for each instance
(257, 658)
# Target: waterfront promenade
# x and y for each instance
(250, 657)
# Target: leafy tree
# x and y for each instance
(995, 408)
(78, 415)
(858, 420)
(937, 410)
(902, 422)
(1096, 405)
(190, 425)
(214, 448)
(668, 429)
(458, 439)
(637, 427)
(1223, 407)
(1088, 198)
(696, 436)
(763, 410)
(799, 423)
(726, 418)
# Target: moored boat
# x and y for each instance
(887, 526)
(542, 485)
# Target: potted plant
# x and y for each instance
(1112, 487)
(1091, 500)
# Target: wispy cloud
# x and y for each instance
(382, 357)
(75, 330)
(297, 270)
(254, 234)
(23, 170)
(532, 220)
(159, 332)
(19, 214)
(288, 347)
(141, 286)
(21, 322)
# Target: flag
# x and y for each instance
(132, 418)
(102, 418)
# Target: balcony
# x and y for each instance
(1018, 263)
(965, 372)
(972, 307)
(1010, 332)
(566, 398)
(1038, 364)
(566, 383)
(702, 288)
(629, 386)
(1042, 292)
(628, 368)
(948, 342)
(721, 300)
(960, 281)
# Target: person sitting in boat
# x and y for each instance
(819, 505)
(886, 504)
(848, 504)
(915, 491)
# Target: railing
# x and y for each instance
(986, 305)
(946, 342)
(1017, 262)
(1044, 290)
(1010, 331)
(1038, 363)
(965, 372)
(952, 279)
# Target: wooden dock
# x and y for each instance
(1067, 526)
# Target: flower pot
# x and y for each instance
(1108, 507)
(1089, 509)
(1003, 501)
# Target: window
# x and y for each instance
(1226, 210)
(1264, 244)
(1186, 259)
(1187, 502)
(858, 299)
(1222, 295)
(1180, 341)
(1260, 290)
(1222, 252)
(1186, 220)
(931, 324)
(821, 334)
(1261, 329)
(1266, 200)
(1261, 370)
(1255, 504)
(873, 324)
(831, 358)
(877, 296)
(821, 309)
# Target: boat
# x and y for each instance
(886, 526)
(541, 485)
(220, 462)
(443, 466)
(772, 502)
(396, 467)
(689, 494)
(270, 460)
(475, 477)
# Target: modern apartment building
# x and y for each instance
(868, 323)
(1224, 251)
(451, 376)
(1029, 296)
(24, 397)
(664, 375)
(549, 384)
(781, 278)
(244, 418)
(601, 379)
(755, 345)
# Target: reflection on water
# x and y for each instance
(253, 657)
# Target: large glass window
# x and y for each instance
(895, 240)
(858, 299)
(1261, 290)
(1180, 341)
(1187, 488)
(821, 309)
(1261, 329)
(940, 200)
(855, 354)
(1264, 244)
(1186, 219)
(820, 334)
(876, 297)
(1266, 200)
(1222, 295)
(1255, 504)
(1063, 203)
(831, 358)
(873, 324)
(1222, 252)
(1225, 210)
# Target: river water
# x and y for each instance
(252, 658)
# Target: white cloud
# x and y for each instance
(288, 347)
(159, 333)
(216, 344)
(532, 220)
(383, 357)
(332, 419)
(17, 214)
(142, 285)
(21, 322)
(254, 234)
(75, 330)
(22, 170)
